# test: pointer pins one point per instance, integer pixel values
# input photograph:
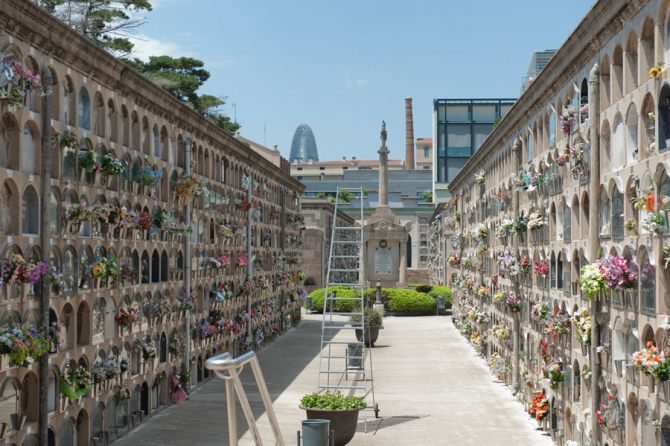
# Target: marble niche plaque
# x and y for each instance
(383, 260)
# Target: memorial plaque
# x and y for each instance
(383, 260)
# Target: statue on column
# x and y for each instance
(383, 134)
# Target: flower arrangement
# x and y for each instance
(577, 161)
(162, 220)
(148, 177)
(65, 139)
(87, 162)
(582, 322)
(75, 383)
(124, 365)
(500, 331)
(241, 259)
(618, 274)
(524, 265)
(480, 178)
(180, 228)
(539, 407)
(539, 312)
(125, 318)
(656, 70)
(124, 394)
(507, 263)
(592, 281)
(56, 279)
(652, 361)
(20, 271)
(555, 375)
(177, 345)
(520, 225)
(541, 268)
(499, 298)
(505, 228)
(23, 346)
(190, 187)
(149, 350)
(561, 322)
(513, 303)
(494, 280)
(143, 221)
(586, 374)
(111, 166)
(243, 205)
(528, 182)
(654, 222)
(454, 260)
(537, 221)
(567, 123)
(185, 303)
(105, 267)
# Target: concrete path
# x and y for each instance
(431, 388)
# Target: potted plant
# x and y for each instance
(340, 410)
(373, 322)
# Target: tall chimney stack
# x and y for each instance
(409, 135)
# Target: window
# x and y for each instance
(552, 129)
(529, 147)
(458, 113)
(299, 168)
(566, 224)
(648, 285)
(617, 214)
(30, 212)
(84, 109)
(28, 151)
(426, 152)
(664, 117)
(484, 113)
(343, 168)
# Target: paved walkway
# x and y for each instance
(431, 388)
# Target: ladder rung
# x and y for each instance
(348, 314)
(346, 241)
(341, 373)
(349, 228)
(343, 328)
(345, 270)
(343, 357)
(342, 387)
(342, 342)
(343, 298)
(343, 284)
(344, 257)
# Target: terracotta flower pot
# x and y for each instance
(371, 335)
(343, 422)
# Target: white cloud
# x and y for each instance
(358, 83)
(146, 46)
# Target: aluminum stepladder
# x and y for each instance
(346, 357)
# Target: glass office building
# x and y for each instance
(460, 126)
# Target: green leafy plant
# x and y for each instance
(332, 401)
(372, 317)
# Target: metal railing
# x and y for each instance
(225, 363)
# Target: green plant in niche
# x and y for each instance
(332, 401)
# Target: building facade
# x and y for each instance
(582, 154)
(460, 126)
(303, 146)
(424, 153)
(319, 216)
(106, 116)
(335, 170)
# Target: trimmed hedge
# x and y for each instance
(441, 291)
(398, 300)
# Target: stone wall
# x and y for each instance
(624, 127)
(114, 111)
(418, 276)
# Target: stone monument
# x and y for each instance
(385, 238)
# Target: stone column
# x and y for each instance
(403, 262)
(383, 176)
(594, 245)
(515, 280)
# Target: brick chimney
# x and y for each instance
(409, 135)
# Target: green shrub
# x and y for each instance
(423, 288)
(371, 317)
(318, 299)
(444, 292)
(332, 401)
(411, 301)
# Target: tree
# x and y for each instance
(427, 196)
(345, 196)
(106, 22)
(182, 78)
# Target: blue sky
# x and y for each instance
(344, 66)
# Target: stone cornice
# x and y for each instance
(22, 19)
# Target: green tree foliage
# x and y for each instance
(183, 77)
(427, 196)
(109, 23)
